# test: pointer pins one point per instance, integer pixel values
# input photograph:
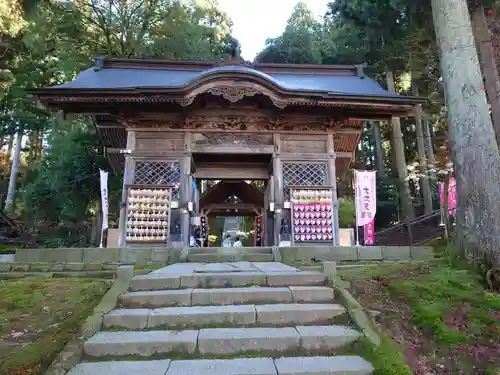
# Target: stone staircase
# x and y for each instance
(237, 318)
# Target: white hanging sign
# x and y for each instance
(366, 197)
(104, 198)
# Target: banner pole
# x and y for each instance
(356, 202)
(101, 243)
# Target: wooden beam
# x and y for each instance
(297, 156)
(109, 126)
(232, 149)
(231, 172)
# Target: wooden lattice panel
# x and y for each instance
(158, 172)
(304, 174)
(148, 214)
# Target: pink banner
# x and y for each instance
(370, 233)
(366, 199)
(452, 195)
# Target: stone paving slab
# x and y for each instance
(238, 366)
(188, 268)
(217, 267)
(198, 316)
(245, 340)
(233, 257)
(146, 343)
(122, 368)
(337, 365)
(293, 314)
(236, 296)
(157, 298)
(177, 269)
(315, 294)
(243, 265)
(318, 338)
(275, 267)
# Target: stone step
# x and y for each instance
(145, 344)
(237, 315)
(338, 365)
(219, 257)
(227, 296)
(159, 281)
(241, 250)
(220, 341)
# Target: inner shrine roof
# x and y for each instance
(116, 74)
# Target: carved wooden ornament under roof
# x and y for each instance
(232, 91)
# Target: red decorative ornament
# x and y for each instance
(490, 12)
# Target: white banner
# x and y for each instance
(104, 198)
(366, 196)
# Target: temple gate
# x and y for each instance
(170, 126)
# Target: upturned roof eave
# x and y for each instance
(177, 92)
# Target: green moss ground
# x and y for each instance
(38, 316)
(445, 310)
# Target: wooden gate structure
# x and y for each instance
(172, 124)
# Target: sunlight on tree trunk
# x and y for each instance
(379, 154)
(397, 139)
(431, 157)
(9, 200)
(422, 160)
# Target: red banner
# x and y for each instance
(452, 195)
(369, 230)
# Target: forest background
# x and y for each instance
(46, 42)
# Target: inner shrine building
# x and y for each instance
(171, 126)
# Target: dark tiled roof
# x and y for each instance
(323, 80)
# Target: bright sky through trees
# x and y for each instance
(257, 20)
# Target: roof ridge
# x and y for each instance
(101, 62)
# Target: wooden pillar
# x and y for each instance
(128, 178)
(185, 190)
(332, 179)
(278, 189)
(270, 223)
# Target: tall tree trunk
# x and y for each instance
(10, 145)
(422, 160)
(475, 151)
(399, 150)
(488, 64)
(431, 157)
(379, 155)
(9, 200)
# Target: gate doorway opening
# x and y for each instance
(234, 209)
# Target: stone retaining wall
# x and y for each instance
(98, 255)
(56, 268)
(354, 253)
(165, 256)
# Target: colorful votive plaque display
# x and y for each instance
(148, 215)
(312, 215)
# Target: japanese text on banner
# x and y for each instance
(366, 204)
(369, 232)
(104, 198)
